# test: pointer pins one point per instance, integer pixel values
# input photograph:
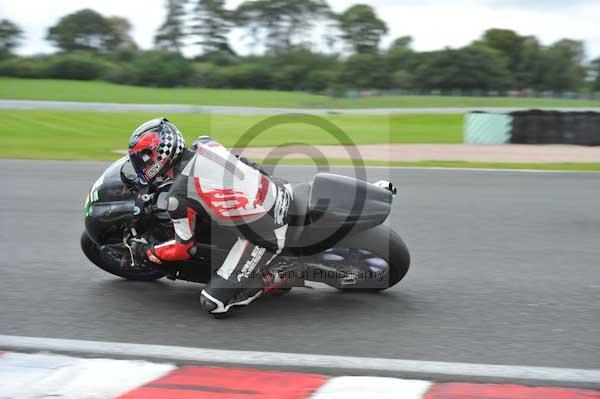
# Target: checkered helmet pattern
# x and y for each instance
(155, 147)
(171, 145)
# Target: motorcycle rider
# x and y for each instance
(210, 183)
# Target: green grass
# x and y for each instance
(575, 167)
(69, 135)
(68, 90)
(95, 135)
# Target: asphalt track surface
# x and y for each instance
(506, 270)
(231, 110)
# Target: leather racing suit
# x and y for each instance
(213, 184)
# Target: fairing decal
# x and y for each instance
(229, 190)
(227, 203)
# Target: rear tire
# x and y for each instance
(111, 264)
(386, 243)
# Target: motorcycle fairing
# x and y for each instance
(333, 207)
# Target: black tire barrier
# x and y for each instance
(553, 127)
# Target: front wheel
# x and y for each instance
(108, 258)
(378, 258)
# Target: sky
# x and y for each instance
(434, 24)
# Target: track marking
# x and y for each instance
(28, 376)
(215, 382)
(485, 391)
(294, 360)
(372, 387)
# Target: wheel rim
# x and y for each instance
(371, 268)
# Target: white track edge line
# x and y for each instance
(426, 168)
(279, 359)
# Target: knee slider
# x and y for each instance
(172, 204)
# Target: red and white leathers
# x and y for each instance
(213, 184)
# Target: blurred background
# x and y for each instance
(337, 48)
(504, 265)
(386, 72)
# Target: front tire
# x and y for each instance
(111, 264)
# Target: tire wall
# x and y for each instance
(533, 127)
(487, 128)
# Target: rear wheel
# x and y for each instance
(378, 257)
(108, 258)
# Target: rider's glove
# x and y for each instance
(387, 186)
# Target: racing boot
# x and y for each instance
(222, 296)
(220, 310)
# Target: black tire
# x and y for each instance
(386, 243)
(112, 266)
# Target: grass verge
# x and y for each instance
(85, 91)
(95, 135)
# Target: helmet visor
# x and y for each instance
(141, 161)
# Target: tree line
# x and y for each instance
(285, 55)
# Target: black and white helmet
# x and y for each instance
(154, 148)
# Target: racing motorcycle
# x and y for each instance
(335, 234)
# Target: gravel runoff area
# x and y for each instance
(440, 152)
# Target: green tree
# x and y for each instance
(403, 79)
(297, 69)
(84, 30)
(249, 75)
(161, 68)
(564, 65)
(469, 68)
(23, 67)
(401, 61)
(524, 56)
(530, 71)
(10, 37)
(401, 43)
(277, 23)
(510, 45)
(362, 29)
(171, 33)
(365, 71)
(595, 71)
(211, 24)
(122, 29)
(78, 66)
(558, 67)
